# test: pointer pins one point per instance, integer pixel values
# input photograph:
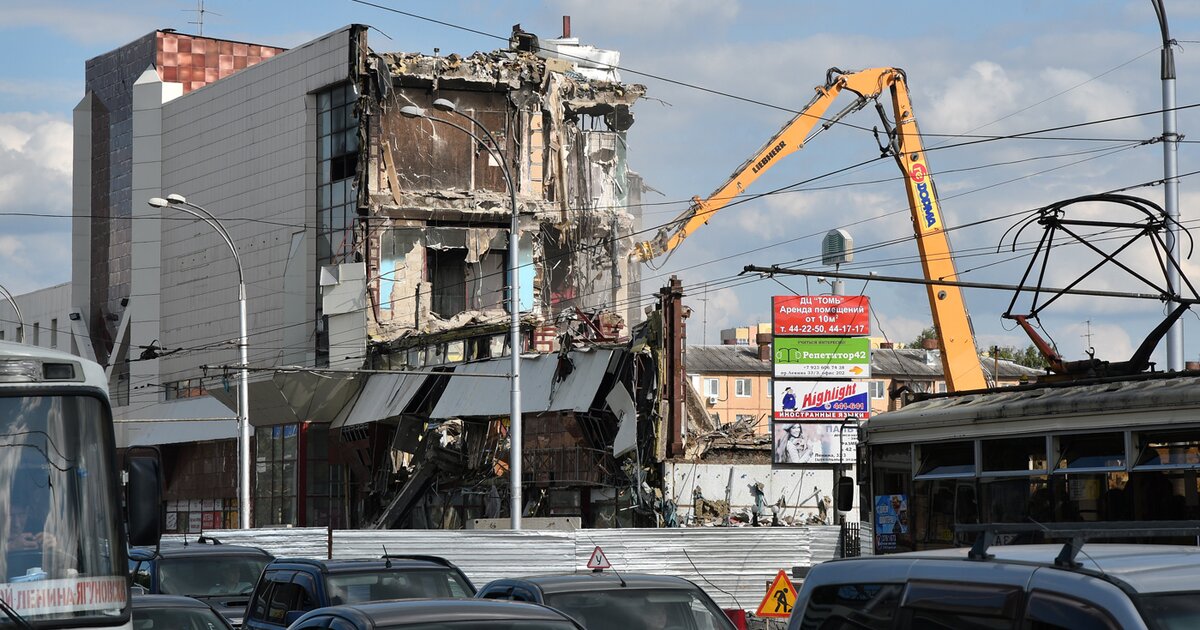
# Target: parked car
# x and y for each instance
(220, 575)
(437, 614)
(611, 601)
(1106, 587)
(290, 587)
(175, 612)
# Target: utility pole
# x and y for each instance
(1170, 144)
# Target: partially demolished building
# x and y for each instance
(375, 250)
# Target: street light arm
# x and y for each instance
(17, 311)
(214, 223)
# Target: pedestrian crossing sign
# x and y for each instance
(780, 598)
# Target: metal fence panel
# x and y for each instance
(732, 564)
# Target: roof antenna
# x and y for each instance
(387, 559)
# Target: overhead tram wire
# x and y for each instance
(893, 242)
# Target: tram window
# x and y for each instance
(1093, 451)
(946, 459)
(1175, 449)
(1014, 455)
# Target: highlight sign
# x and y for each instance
(821, 400)
(821, 315)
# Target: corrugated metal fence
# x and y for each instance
(733, 565)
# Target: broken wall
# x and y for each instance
(436, 203)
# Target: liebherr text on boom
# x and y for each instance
(960, 359)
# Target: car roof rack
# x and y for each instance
(1075, 533)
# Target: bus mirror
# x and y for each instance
(845, 494)
(144, 500)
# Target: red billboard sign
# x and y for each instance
(822, 315)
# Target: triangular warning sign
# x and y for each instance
(779, 600)
(600, 561)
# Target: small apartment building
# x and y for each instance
(734, 383)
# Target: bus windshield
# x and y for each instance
(61, 554)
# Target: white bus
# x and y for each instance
(1120, 450)
(62, 537)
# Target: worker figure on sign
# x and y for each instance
(789, 400)
(781, 601)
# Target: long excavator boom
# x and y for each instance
(960, 358)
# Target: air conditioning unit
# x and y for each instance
(712, 400)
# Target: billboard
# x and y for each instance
(821, 400)
(814, 442)
(822, 357)
(821, 315)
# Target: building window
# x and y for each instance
(445, 271)
(53, 333)
(276, 450)
(337, 157)
(770, 388)
(712, 387)
(941, 387)
(742, 387)
(37, 333)
(877, 389)
(188, 388)
(1, 335)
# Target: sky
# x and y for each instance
(722, 77)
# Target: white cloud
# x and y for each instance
(35, 159)
(92, 22)
(712, 311)
(670, 16)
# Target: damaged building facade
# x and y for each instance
(374, 248)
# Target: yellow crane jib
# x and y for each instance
(960, 358)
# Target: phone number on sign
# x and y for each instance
(821, 329)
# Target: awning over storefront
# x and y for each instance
(157, 432)
(384, 396)
(293, 397)
(185, 420)
(471, 393)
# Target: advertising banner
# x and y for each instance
(822, 357)
(821, 400)
(822, 315)
(814, 442)
(891, 520)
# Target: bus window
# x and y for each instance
(1014, 455)
(946, 459)
(939, 505)
(1093, 451)
(891, 487)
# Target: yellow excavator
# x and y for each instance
(960, 359)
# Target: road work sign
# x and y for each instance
(779, 600)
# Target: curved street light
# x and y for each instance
(514, 304)
(17, 311)
(178, 202)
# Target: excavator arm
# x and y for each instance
(960, 359)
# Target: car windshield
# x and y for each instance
(354, 588)
(640, 609)
(177, 619)
(1171, 611)
(61, 554)
(209, 575)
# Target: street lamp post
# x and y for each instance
(178, 202)
(514, 304)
